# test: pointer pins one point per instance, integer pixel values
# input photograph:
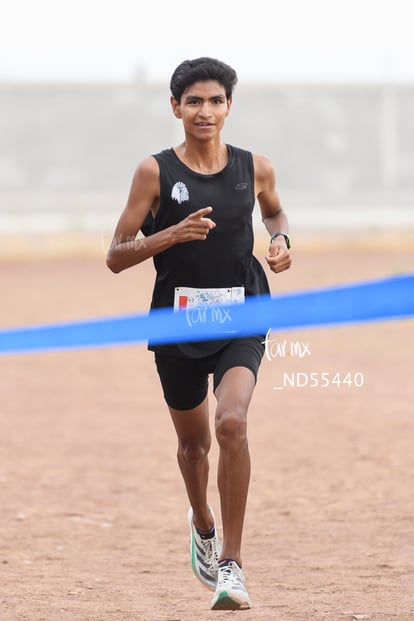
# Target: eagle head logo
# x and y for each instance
(179, 192)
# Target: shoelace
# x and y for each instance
(210, 550)
(232, 573)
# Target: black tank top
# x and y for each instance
(225, 258)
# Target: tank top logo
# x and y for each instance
(241, 186)
(180, 193)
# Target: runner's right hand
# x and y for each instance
(195, 226)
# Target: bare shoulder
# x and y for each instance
(147, 169)
(146, 181)
(262, 163)
(145, 187)
(264, 172)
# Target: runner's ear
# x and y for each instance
(175, 107)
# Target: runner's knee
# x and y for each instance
(192, 452)
(231, 428)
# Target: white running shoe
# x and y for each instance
(204, 554)
(231, 593)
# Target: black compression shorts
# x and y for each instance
(185, 380)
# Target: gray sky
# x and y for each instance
(293, 40)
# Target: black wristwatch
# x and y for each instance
(285, 235)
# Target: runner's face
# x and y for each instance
(203, 109)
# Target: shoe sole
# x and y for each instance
(225, 602)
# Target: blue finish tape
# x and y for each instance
(390, 298)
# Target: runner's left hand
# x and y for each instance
(279, 258)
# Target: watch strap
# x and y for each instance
(285, 235)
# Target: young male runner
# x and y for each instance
(194, 202)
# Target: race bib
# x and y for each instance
(189, 297)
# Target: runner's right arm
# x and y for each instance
(144, 196)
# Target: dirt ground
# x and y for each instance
(93, 509)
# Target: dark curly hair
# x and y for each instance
(201, 70)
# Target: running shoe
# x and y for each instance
(230, 593)
(204, 554)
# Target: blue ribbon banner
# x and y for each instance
(390, 298)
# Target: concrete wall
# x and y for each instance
(344, 154)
